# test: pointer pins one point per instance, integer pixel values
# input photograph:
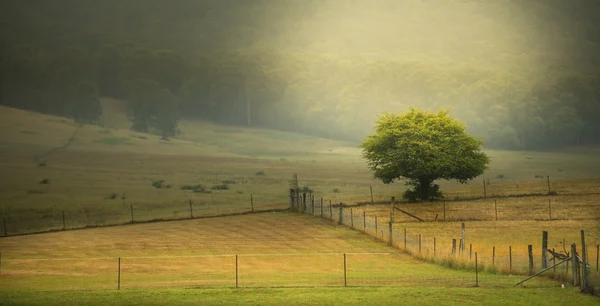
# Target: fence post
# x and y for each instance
(376, 227)
(530, 253)
(510, 258)
(476, 272)
(330, 211)
(496, 209)
(548, 177)
(312, 202)
(351, 219)
(345, 281)
(321, 207)
(392, 209)
(434, 243)
(470, 250)
(549, 210)
(390, 232)
(544, 249)
(597, 255)
(364, 221)
(341, 214)
(493, 256)
(191, 210)
(484, 189)
(574, 265)
(419, 243)
(63, 219)
(371, 188)
(119, 275)
(444, 210)
(585, 277)
(236, 272)
(131, 206)
(453, 246)
(405, 238)
(251, 203)
(291, 199)
(304, 201)
(462, 237)
(554, 263)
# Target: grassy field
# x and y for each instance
(193, 261)
(105, 172)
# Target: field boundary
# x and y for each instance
(6, 235)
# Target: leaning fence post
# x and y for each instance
(530, 253)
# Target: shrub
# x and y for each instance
(111, 196)
(45, 182)
(240, 192)
(220, 187)
(191, 187)
(538, 176)
(158, 184)
(42, 164)
(260, 173)
(500, 176)
(201, 189)
(228, 182)
(336, 190)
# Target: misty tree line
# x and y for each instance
(59, 65)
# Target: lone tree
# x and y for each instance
(423, 146)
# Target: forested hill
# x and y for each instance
(521, 74)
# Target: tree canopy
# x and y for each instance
(423, 146)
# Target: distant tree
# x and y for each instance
(423, 146)
(87, 108)
(152, 107)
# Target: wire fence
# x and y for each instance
(220, 271)
(509, 260)
(30, 221)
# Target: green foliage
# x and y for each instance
(422, 147)
(44, 182)
(336, 190)
(228, 182)
(158, 184)
(220, 187)
(260, 173)
(112, 196)
(113, 141)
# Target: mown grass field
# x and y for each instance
(191, 261)
(107, 171)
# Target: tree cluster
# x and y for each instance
(522, 75)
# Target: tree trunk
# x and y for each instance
(424, 188)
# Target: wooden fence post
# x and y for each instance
(548, 177)
(291, 199)
(304, 202)
(237, 273)
(530, 253)
(371, 188)
(510, 258)
(574, 267)
(321, 207)
(463, 241)
(544, 249)
(496, 209)
(549, 210)
(484, 190)
(390, 233)
(493, 256)
(364, 221)
(312, 202)
(191, 211)
(419, 243)
(345, 280)
(351, 219)
(376, 226)
(119, 275)
(476, 272)
(585, 276)
(453, 246)
(470, 250)
(405, 238)
(597, 255)
(554, 264)
(341, 214)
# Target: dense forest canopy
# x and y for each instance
(521, 74)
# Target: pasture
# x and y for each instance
(283, 258)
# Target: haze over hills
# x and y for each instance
(521, 74)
